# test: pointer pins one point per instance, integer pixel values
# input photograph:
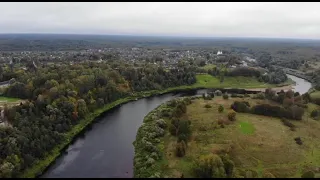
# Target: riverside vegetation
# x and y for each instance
(263, 135)
(60, 100)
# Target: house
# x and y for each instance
(219, 53)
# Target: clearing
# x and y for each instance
(254, 142)
(9, 101)
(208, 81)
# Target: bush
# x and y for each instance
(259, 96)
(268, 175)
(246, 95)
(225, 96)
(298, 140)
(296, 112)
(308, 174)
(232, 115)
(218, 93)
(293, 112)
(228, 165)
(182, 137)
(161, 123)
(209, 166)
(172, 130)
(208, 106)
(221, 108)
(240, 106)
(316, 101)
(180, 149)
(251, 174)
(184, 128)
(289, 124)
(314, 113)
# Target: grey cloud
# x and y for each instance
(299, 20)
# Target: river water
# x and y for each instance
(106, 149)
(302, 86)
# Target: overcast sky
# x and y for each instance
(213, 19)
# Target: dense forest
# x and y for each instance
(60, 96)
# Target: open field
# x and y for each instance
(315, 94)
(208, 66)
(9, 101)
(254, 142)
(206, 80)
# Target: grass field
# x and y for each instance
(254, 142)
(208, 66)
(7, 99)
(208, 81)
(315, 94)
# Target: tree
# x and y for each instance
(82, 108)
(181, 149)
(209, 166)
(232, 115)
(221, 108)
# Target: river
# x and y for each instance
(302, 86)
(105, 150)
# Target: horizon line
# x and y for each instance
(176, 36)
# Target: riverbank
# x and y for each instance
(41, 165)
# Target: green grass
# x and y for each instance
(246, 128)
(208, 81)
(8, 99)
(208, 66)
(315, 94)
(260, 143)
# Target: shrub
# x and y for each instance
(314, 113)
(209, 166)
(308, 174)
(259, 96)
(203, 95)
(221, 108)
(172, 130)
(287, 102)
(251, 174)
(184, 128)
(240, 106)
(246, 95)
(298, 140)
(268, 175)
(208, 106)
(166, 113)
(225, 96)
(180, 149)
(293, 112)
(296, 112)
(182, 137)
(218, 93)
(228, 165)
(289, 94)
(289, 124)
(316, 101)
(161, 123)
(232, 115)
(306, 97)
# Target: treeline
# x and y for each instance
(58, 97)
(147, 151)
(292, 105)
(276, 76)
